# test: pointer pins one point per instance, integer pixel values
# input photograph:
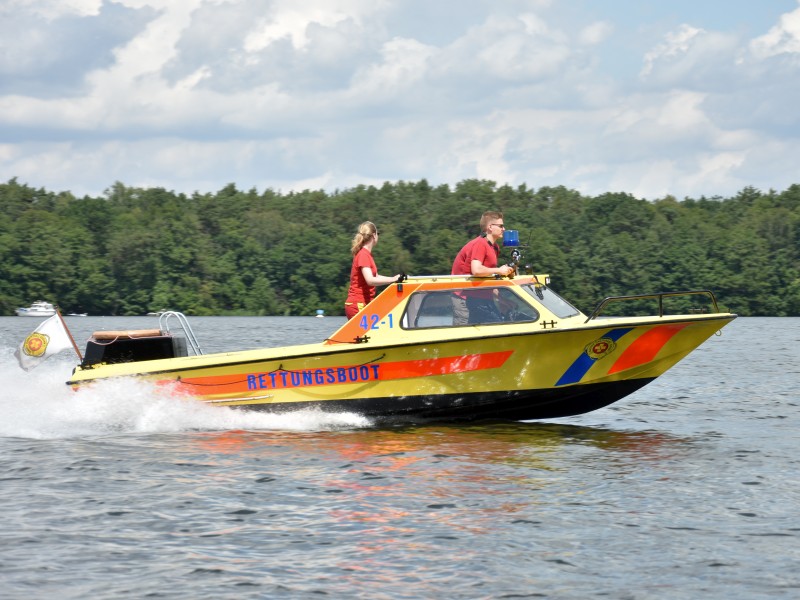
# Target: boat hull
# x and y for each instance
(25, 312)
(494, 372)
(40, 309)
(519, 405)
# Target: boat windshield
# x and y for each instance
(554, 303)
(435, 308)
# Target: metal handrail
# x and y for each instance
(659, 295)
(447, 276)
(163, 324)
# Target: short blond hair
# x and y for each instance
(487, 217)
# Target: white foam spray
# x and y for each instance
(37, 404)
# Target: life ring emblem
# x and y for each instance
(36, 344)
(600, 348)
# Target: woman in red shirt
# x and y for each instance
(364, 273)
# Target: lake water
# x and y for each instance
(690, 488)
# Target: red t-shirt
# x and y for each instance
(478, 249)
(359, 290)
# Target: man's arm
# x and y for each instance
(480, 270)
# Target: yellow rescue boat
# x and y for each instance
(532, 356)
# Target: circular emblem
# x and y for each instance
(599, 348)
(35, 344)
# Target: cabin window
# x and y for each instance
(554, 303)
(435, 309)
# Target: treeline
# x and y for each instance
(136, 250)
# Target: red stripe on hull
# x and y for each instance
(645, 348)
(303, 378)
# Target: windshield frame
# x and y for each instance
(552, 301)
(511, 307)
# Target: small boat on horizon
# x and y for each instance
(40, 308)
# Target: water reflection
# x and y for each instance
(531, 444)
(407, 491)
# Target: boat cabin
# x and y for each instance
(434, 308)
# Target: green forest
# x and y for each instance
(235, 252)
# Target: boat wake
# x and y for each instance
(37, 404)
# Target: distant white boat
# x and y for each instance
(77, 314)
(320, 313)
(37, 309)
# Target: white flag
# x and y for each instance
(49, 338)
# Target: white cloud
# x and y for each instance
(515, 49)
(291, 19)
(675, 46)
(479, 150)
(693, 58)
(53, 9)
(149, 51)
(784, 38)
(595, 33)
(404, 63)
(193, 94)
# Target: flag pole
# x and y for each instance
(71, 339)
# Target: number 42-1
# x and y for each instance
(374, 322)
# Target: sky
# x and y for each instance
(647, 97)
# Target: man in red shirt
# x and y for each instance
(479, 258)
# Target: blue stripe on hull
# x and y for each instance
(584, 362)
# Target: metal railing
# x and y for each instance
(659, 296)
(163, 325)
